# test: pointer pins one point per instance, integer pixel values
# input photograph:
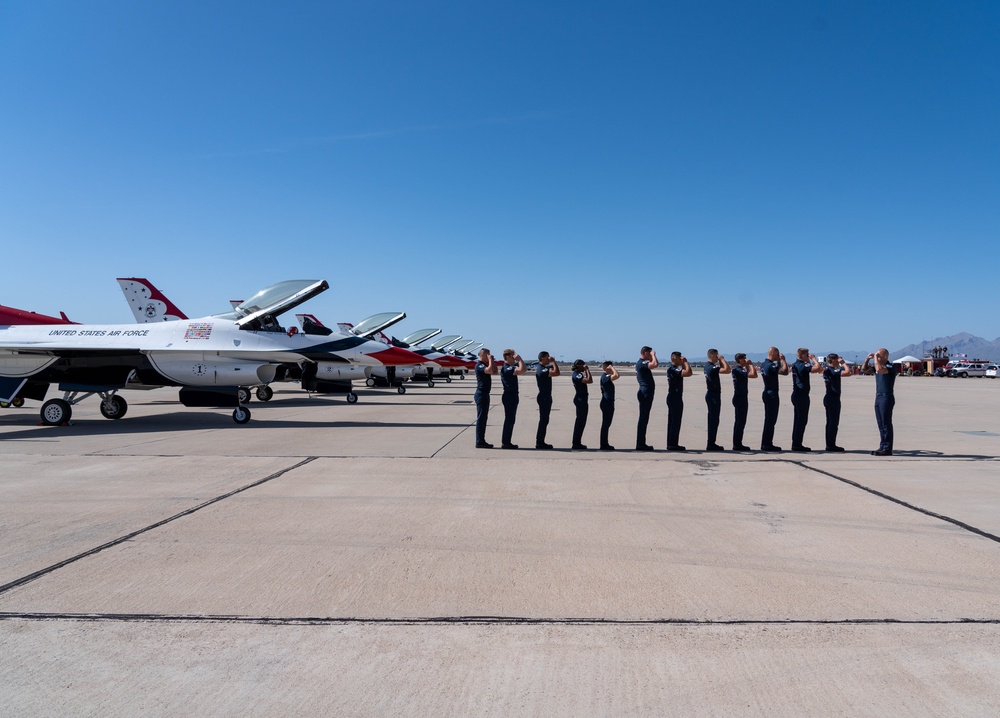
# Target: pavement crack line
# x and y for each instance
(479, 620)
(893, 499)
(121, 539)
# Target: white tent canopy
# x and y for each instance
(906, 360)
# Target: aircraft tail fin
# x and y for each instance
(147, 302)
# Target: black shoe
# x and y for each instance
(835, 448)
(644, 447)
(578, 447)
(607, 447)
(677, 448)
(801, 449)
(484, 445)
(508, 446)
(714, 447)
(543, 446)
(741, 447)
(769, 447)
(882, 452)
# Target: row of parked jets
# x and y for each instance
(218, 360)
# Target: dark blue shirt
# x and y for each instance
(607, 388)
(740, 383)
(644, 375)
(675, 382)
(543, 377)
(713, 383)
(508, 377)
(831, 376)
(484, 380)
(581, 388)
(800, 376)
(769, 375)
(885, 383)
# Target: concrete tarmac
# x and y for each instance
(335, 559)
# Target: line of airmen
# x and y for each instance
(742, 370)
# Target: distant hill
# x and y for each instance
(972, 346)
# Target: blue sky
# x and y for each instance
(583, 177)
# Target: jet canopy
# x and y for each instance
(444, 342)
(260, 310)
(371, 326)
(420, 336)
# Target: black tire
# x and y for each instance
(460, 376)
(265, 393)
(447, 379)
(241, 415)
(114, 408)
(243, 395)
(55, 412)
(18, 402)
(352, 398)
(430, 385)
(401, 389)
(369, 382)
(964, 375)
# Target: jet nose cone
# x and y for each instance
(394, 356)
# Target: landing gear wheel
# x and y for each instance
(401, 389)
(243, 395)
(18, 402)
(241, 415)
(4, 404)
(114, 408)
(447, 379)
(369, 382)
(460, 376)
(430, 385)
(265, 393)
(55, 412)
(352, 398)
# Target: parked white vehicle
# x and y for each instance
(991, 371)
(963, 371)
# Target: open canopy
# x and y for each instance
(278, 298)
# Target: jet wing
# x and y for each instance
(278, 298)
(371, 326)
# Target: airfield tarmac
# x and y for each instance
(328, 559)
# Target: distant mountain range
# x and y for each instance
(972, 346)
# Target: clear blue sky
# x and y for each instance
(583, 177)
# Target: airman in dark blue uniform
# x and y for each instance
(714, 367)
(485, 369)
(885, 399)
(581, 378)
(770, 369)
(647, 388)
(512, 368)
(546, 369)
(676, 373)
(743, 370)
(805, 364)
(835, 368)
(608, 379)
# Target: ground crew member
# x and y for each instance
(513, 367)
(805, 364)
(608, 378)
(836, 368)
(770, 369)
(743, 370)
(715, 366)
(647, 388)
(885, 399)
(676, 372)
(485, 369)
(546, 369)
(581, 378)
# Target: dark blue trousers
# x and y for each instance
(607, 416)
(544, 409)
(741, 407)
(509, 416)
(482, 415)
(582, 409)
(675, 412)
(714, 402)
(883, 415)
(771, 407)
(800, 402)
(645, 407)
(832, 404)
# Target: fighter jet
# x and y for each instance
(208, 358)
